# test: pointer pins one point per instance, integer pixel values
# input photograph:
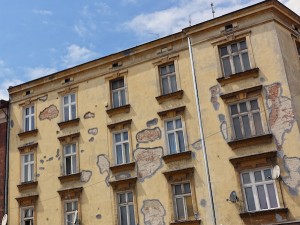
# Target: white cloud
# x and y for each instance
(4, 70)
(80, 29)
(5, 85)
(76, 55)
(293, 5)
(43, 12)
(34, 73)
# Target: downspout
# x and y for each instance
(213, 213)
(7, 160)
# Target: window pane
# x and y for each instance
(171, 68)
(187, 188)
(243, 107)
(119, 154)
(66, 113)
(73, 111)
(170, 125)
(73, 98)
(254, 105)
(226, 66)
(272, 196)
(67, 149)
(258, 176)
(69, 206)
(27, 124)
(246, 125)
(181, 141)
(130, 197)
(172, 143)
(118, 137)
(27, 111)
(163, 70)
(173, 83)
(74, 164)
(237, 128)
(246, 61)
(262, 197)
(126, 146)
(31, 172)
(73, 148)
(250, 199)
(32, 123)
(26, 178)
(125, 136)
(122, 198)
(165, 86)
(177, 189)
(224, 51)
(189, 207)
(32, 109)
(246, 178)
(180, 209)
(115, 99)
(234, 48)
(178, 123)
(123, 97)
(234, 109)
(131, 213)
(268, 174)
(257, 123)
(123, 215)
(66, 100)
(243, 45)
(68, 165)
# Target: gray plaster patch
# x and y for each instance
(197, 145)
(42, 161)
(89, 115)
(91, 139)
(148, 161)
(148, 135)
(152, 122)
(291, 165)
(221, 117)
(103, 165)
(49, 113)
(93, 131)
(50, 159)
(85, 176)
(278, 218)
(12, 123)
(215, 92)
(224, 130)
(203, 202)
(98, 216)
(153, 212)
(41, 168)
(43, 98)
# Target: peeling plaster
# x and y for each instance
(292, 166)
(223, 126)
(103, 165)
(197, 145)
(50, 159)
(148, 135)
(42, 161)
(152, 122)
(148, 161)
(153, 212)
(91, 139)
(89, 115)
(281, 116)
(43, 98)
(41, 168)
(85, 176)
(215, 92)
(49, 113)
(98, 216)
(57, 153)
(93, 131)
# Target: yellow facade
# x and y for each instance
(74, 128)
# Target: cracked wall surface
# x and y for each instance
(85, 176)
(103, 165)
(148, 135)
(153, 212)
(49, 113)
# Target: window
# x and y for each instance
(121, 147)
(175, 136)
(126, 208)
(27, 167)
(259, 190)
(29, 118)
(168, 78)
(69, 105)
(27, 216)
(183, 201)
(298, 49)
(118, 93)
(71, 211)
(70, 162)
(246, 119)
(234, 58)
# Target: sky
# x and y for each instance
(39, 38)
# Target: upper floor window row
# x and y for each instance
(69, 107)
(167, 78)
(118, 93)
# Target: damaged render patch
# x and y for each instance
(103, 165)
(91, 139)
(292, 166)
(152, 122)
(49, 113)
(148, 135)
(197, 145)
(85, 176)
(215, 92)
(223, 126)
(43, 98)
(153, 212)
(93, 131)
(89, 115)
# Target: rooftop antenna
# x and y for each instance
(190, 20)
(212, 9)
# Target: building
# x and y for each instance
(3, 155)
(118, 140)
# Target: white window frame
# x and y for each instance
(175, 132)
(254, 184)
(168, 75)
(119, 93)
(23, 218)
(72, 155)
(126, 204)
(122, 143)
(232, 54)
(30, 165)
(30, 116)
(250, 117)
(66, 213)
(68, 106)
(183, 197)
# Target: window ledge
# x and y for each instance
(177, 156)
(186, 222)
(252, 73)
(261, 139)
(31, 133)
(179, 174)
(27, 185)
(122, 167)
(68, 123)
(123, 184)
(70, 177)
(175, 95)
(265, 216)
(176, 111)
(118, 110)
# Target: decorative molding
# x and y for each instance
(124, 184)
(241, 94)
(119, 124)
(252, 73)
(28, 200)
(71, 193)
(122, 168)
(177, 157)
(70, 177)
(122, 109)
(255, 140)
(68, 123)
(171, 112)
(175, 95)
(28, 147)
(179, 174)
(27, 185)
(186, 222)
(265, 216)
(31, 133)
(69, 138)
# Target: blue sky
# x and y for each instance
(42, 37)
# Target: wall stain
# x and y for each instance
(89, 115)
(42, 161)
(41, 168)
(43, 98)
(49, 113)
(215, 93)
(93, 131)
(197, 145)
(103, 165)
(152, 122)
(203, 202)
(86, 176)
(50, 159)
(98, 216)
(148, 135)
(153, 212)
(91, 139)
(292, 166)
(223, 126)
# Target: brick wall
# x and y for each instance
(2, 166)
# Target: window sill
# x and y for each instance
(262, 139)
(177, 157)
(252, 73)
(186, 222)
(118, 110)
(71, 177)
(27, 185)
(264, 216)
(179, 174)
(122, 167)
(31, 133)
(175, 95)
(68, 123)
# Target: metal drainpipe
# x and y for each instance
(202, 134)
(7, 160)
